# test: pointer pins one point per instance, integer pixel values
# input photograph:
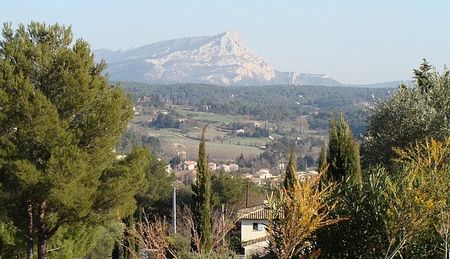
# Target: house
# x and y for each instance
(240, 131)
(281, 166)
(253, 222)
(189, 165)
(225, 168)
(264, 174)
(256, 124)
(234, 167)
(186, 177)
(247, 176)
(275, 181)
(212, 166)
(181, 155)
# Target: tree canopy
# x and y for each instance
(411, 114)
(343, 151)
(60, 121)
(291, 179)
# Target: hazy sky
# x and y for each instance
(358, 41)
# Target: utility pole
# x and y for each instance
(247, 183)
(223, 224)
(174, 210)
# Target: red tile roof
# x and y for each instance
(255, 212)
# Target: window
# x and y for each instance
(255, 226)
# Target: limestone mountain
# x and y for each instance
(220, 59)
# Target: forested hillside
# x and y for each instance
(274, 103)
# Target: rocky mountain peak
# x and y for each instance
(230, 42)
(219, 59)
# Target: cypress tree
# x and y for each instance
(343, 151)
(290, 179)
(202, 198)
(322, 161)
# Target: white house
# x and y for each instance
(281, 166)
(181, 155)
(253, 221)
(248, 176)
(225, 168)
(240, 131)
(264, 174)
(189, 165)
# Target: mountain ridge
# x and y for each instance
(221, 59)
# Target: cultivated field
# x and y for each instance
(222, 144)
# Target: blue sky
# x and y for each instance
(352, 41)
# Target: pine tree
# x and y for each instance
(60, 120)
(343, 152)
(202, 198)
(423, 77)
(290, 179)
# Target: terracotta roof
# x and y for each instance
(255, 212)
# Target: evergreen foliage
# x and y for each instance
(290, 180)
(202, 198)
(82, 240)
(410, 114)
(152, 192)
(362, 233)
(165, 121)
(156, 198)
(131, 138)
(59, 123)
(226, 189)
(405, 214)
(271, 102)
(322, 160)
(343, 152)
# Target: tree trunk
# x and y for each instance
(29, 233)
(139, 215)
(129, 241)
(116, 251)
(139, 225)
(42, 232)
